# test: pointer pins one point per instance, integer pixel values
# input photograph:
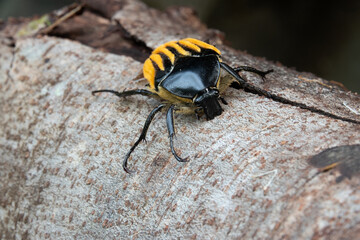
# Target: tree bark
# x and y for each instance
(247, 175)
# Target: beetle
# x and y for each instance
(188, 76)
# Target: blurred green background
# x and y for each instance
(313, 36)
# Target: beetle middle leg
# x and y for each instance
(253, 70)
(242, 83)
(142, 135)
(235, 74)
(170, 126)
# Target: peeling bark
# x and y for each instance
(247, 178)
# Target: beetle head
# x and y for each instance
(208, 101)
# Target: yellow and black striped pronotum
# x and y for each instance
(188, 76)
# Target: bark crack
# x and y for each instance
(259, 91)
(12, 44)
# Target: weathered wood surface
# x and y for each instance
(247, 178)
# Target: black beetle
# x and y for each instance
(189, 76)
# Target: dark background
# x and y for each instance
(313, 36)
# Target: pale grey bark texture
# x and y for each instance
(61, 148)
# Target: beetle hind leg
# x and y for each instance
(171, 129)
(143, 92)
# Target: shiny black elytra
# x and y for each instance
(189, 77)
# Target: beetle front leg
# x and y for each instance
(170, 126)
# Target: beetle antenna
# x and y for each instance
(142, 136)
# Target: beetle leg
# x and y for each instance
(170, 126)
(126, 93)
(233, 73)
(241, 83)
(223, 100)
(254, 70)
(142, 135)
(198, 113)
